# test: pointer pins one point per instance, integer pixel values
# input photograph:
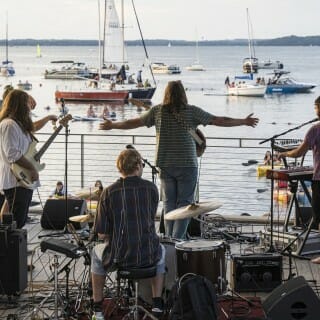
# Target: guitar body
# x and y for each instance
(22, 174)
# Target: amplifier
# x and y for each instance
(282, 239)
(13, 260)
(256, 272)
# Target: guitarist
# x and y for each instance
(16, 134)
(176, 148)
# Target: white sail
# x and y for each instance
(114, 49)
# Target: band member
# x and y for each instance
(125, 220)
(176, 148)
(16, 129)
(311, 142)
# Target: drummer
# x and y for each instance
(59, 191)
(130, 239)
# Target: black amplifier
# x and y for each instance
(13, 260)
(256, 272)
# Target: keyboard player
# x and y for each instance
(311, 142)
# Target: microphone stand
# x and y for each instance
(154, 170)
(66, 217)
(272, 141)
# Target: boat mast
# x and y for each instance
(7, 41)
(99, 30)
(122, 31)
(252, 53)
(104, 32)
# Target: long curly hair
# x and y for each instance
(175, 96)
(15, 106)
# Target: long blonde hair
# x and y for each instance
(175, 96)
(15, 106)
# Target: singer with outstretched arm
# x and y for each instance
(176, 155)
(311, 142)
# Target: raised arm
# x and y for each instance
(128, 124)
(295, 153)
(232, 122)
(41, 123)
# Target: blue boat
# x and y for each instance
(281, 83)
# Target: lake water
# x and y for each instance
(205, 89)
(277, 113)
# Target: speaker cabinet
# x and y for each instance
(293, 300)
(256, 272)
(54, 214)
(13, 260)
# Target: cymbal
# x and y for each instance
(82, 218)
(192, 210)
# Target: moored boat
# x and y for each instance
(162, 68)
(283, 84)
(69, 70)
(24, 85)
(243, 88)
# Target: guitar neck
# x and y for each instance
(46, 145)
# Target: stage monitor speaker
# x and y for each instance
(256, 272)
(13, 261)
(54, 214)
(293, 300)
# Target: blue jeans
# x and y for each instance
(178, 188)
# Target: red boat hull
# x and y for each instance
(98, 95)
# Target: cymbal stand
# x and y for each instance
(55, 293)
(154, 170)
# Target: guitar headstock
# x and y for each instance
(64, 121)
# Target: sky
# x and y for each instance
(162, 19)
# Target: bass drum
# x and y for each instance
(145, 292)
(203, 257)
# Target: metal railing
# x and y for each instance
(222, 174)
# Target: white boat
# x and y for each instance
(67, 70)
(252, 64)
(245, 88)
(162, 68)
(24, 85)
(196, 66)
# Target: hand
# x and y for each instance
(252, 122)
(34, 175)
(106, 125)
(52, 117)
(31, 103)
(281, 155)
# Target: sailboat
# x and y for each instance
(39, 55)
(251, 64)
(120, 87)
(196, 66)
(6, 67)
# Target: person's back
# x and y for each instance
(131, 204)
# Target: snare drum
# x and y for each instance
(203, 257)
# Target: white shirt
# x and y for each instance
(14, 143)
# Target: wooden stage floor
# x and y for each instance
(45, 298)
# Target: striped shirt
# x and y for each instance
(312, 139)
(175, 147)
(126, 213)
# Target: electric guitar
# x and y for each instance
(32, 155)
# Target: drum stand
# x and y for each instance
(55, 293)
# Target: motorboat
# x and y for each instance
(244, 88)
(6, 67)
(282, 83)
(69, 70)
(162, 68)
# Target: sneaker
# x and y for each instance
(97, 316)
(157, 312)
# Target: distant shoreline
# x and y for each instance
(284, 41)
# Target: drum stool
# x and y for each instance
(135, 274)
